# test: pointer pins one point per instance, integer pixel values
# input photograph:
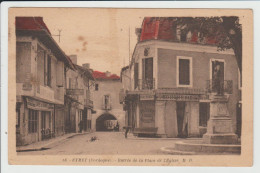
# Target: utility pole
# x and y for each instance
(129, 59)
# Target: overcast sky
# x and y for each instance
(97, 36)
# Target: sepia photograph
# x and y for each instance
(115, 86)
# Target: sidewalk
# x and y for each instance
(46, 144)
(132, 137)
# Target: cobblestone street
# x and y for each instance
(107, 143)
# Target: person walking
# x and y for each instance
(126, 131)
(80, 126)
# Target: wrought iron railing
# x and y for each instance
(220, 87)
(147, 84)
(88, 103)
(106, 107)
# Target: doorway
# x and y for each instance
(182, 120)
(106, 122)
(218, 75)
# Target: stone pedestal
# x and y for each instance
(219, 129)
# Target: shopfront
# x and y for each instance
(35, 120)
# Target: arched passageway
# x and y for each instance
(106, 122)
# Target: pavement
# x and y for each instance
(47, 144)
(108, 143)
(104, 143)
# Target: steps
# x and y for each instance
(185, 148)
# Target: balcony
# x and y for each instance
(220, 87)
(146, 84)
(106, 107)
(89, 103)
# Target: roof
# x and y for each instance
(164, 28)
(85, 71)
(35, 26)
(104, 76)
(31, 23)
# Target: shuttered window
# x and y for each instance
(136, 71)
(33, 121)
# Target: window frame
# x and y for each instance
(210, 64)
(177, 71)
(96, 87)
(240, 84)
(32, 121)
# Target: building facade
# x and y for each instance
(171, 82)
(40, 82)
(78, 98)
(109, 113)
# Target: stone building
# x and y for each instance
(40, 82)
(78, 98)
(109, 112)
(171, 78)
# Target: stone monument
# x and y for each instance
(219, 129)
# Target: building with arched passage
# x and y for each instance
(108, 111)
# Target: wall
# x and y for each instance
(30, 69)
(111, 87)
(201, 72)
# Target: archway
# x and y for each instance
(106, 122)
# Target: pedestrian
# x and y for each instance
(80, 126)
(117, 127)
(126, 131)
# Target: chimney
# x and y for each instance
(73, 59)
(86, 65)
(108, 74)
(138, 32)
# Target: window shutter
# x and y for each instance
(103, 102)
(109, 101)
(60, 71)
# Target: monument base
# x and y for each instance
(219, 130)
(220, 138)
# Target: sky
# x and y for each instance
(97, 36)
(100, 36)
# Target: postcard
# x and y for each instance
(130, 87)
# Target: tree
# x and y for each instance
(226, 31)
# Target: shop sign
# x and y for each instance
(146, 96)
(38, 105)
(178, 97)
(75, 91)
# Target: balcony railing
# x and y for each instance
(146, 84)
(106, 107)
(220, 87)
(88, 103)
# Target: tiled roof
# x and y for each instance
(35, 26)
(31, 23)
(103, 75)
(161, 28)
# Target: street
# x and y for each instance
(107, 143)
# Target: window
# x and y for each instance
(96, 87)
(18, 116)
(184, 71)
(136, 71)
(183, 36)
(47, 70)
(106, 102)
(239, 80)
(217, 75)
(33, 121)
(147, 73)
(23, 61)
(204, 114)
